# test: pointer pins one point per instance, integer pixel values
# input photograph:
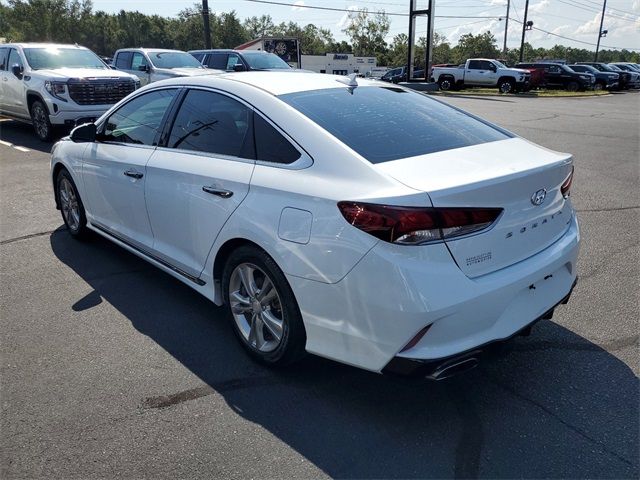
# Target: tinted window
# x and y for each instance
(123, 61)
(4, 52)
(475, 65)
(214, 123)
(271, 146)
(218, 61)
(388, 123)
(485, 65)
(171, 59)
(140, 120)
(198, 56)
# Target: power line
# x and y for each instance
(576, 40)
(334, 9)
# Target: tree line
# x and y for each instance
(76, 21)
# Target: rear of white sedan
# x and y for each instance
(371, 225)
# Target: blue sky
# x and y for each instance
(575, 19)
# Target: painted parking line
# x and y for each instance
(16, 147)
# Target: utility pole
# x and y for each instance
(524, 28)
(506, 29)
(604, 7)
(207, 28)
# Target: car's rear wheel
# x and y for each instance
(445, 84)
(71, 207)
(573, 87)
(262, 307)
(40, 121)
(599, 86)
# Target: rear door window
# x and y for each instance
(271, 146)
(4, 52)
(123, 60)
(217, 61)
(389, 123)
(213, 123)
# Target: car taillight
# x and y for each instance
(565, 188)
(417, 225)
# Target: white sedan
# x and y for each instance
(347, 218)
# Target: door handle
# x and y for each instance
(217, 191)
(133, 174)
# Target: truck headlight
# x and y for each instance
(56, 89)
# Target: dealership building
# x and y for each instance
(338, 63)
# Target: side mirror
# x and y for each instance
(17, 70)
(144, 68)
(493, 68)
(239, 67)
(84, 133)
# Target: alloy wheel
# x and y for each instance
(256, 307)
(40, 121)
(69, 204)
(505, 87)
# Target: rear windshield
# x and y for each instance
(389, 123)
(260, 60)
(173, 60)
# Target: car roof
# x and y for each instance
(273, 82)
(150, 50)
(42, 45)
(214, 50)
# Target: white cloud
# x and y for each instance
(346, 19)
(297, 6)
(539, 7)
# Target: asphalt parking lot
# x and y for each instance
(113, 368)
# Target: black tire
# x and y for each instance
(506, 85)
(600, 86)
(291, 346)
(76, 224)
(445, 84)
(40, 121)
(573, 86)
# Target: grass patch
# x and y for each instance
(532, 93)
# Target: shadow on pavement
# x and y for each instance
(553, 405)
(22, 135)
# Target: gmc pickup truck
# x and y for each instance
(51, 85)
(482, 72)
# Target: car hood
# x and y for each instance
(518, 70)
(63, 73)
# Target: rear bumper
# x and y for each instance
(394, 292)
(411, 367)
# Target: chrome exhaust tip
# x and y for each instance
(454, 367)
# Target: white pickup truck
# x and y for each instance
(51, 85)
(482, 72)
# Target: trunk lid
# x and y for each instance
(504, 174)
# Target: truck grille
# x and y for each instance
(100, 91)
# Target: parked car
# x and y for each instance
(604, 80)
(558, 75)
(399, 74)
(51, 85)
(240, 60)
(403, 240)
(153, 64)
(623, 79)
(482, 72)
(634, 75)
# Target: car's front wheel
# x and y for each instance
(71, 207)
(40, 120)
(573, 87)
(506, 86)
(262, 307)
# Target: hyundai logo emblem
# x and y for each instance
(538, 197)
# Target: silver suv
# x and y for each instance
(153, 64)
(57, 85)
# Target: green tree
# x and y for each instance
(367, 33)
(483, 45)
(258, 27)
